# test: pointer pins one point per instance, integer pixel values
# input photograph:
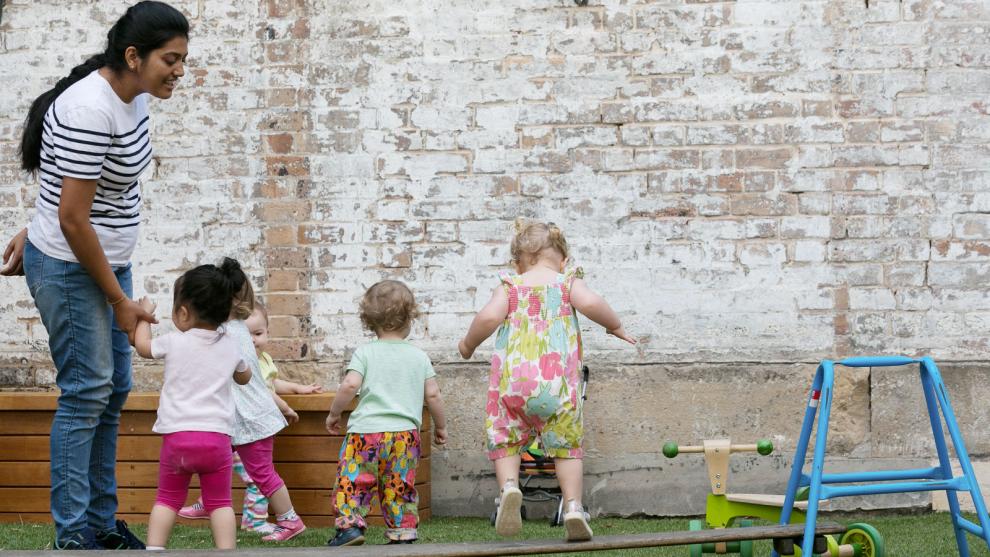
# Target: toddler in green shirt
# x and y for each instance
(382, 446)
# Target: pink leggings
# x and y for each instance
(257, 459)
(185, 453)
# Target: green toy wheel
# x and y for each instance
(695, 548)
(745, 546)
(867, 537)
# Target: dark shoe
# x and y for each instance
(121, 538)
(347, 536)
(396, 542)
(80, 540)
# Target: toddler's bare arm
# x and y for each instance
(485, 323)
(345, 394)
(142, 334)
(595, 307)
(434, 403)
(284, 387)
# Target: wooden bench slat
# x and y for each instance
(140, 500)
(312, 520)
(37, 422)
(297, 475)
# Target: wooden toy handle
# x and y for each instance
(762, 446)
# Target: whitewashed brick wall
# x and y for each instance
(751, 181)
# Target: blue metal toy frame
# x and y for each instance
(930, 479)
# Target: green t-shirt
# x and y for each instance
(391, 394)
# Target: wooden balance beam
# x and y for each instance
(523, 547)
(600, 543)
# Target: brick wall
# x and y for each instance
(752, 181)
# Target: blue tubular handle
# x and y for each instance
(877, 361)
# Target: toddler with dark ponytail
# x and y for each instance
(196, 406)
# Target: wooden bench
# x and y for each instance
(305, 457)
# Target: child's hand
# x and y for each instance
(290, 415)
(333, 423)
(462, 347)
(147, 305)
(309, 389)
(622, 334)
(440, 436)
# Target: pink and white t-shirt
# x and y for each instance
(197, 394)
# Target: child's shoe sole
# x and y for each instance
(508, 518)
(576, 527)
(356, 541)
(278, 537)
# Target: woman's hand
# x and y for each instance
(128, 313)
(13, 256)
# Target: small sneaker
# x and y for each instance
(262, 527)
(79, 540)
(347, 536)
(285, 530)
(119, 538)
(508, 517)
(196, 511)
(576, 527)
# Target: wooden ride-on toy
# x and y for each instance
(724, 510)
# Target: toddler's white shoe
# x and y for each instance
(508, 517)
(576, 527)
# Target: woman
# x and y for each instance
(87, 141)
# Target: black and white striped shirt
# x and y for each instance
(91, 134)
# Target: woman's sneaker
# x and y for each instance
(285, 530)
(347, 536)
(508, 517)
(196, 511)
(576, 527)
(81, 540)
(120, 537)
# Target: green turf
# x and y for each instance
(921, 535)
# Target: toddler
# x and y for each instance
(257, 418)
(534, 386)
(254, 516)
(196, 406)
(382, 446)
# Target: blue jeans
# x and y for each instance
(93, 360)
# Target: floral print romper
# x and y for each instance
(534, 387)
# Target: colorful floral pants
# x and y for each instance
(385, 462)
(255, 513)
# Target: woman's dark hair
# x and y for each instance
(146, 26)
(209, 291)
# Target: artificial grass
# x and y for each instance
(905, 535)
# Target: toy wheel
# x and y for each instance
(555, 519)
(695, 526)
(492, 520)
(745, 546)
(522, 512)
(867, 537)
